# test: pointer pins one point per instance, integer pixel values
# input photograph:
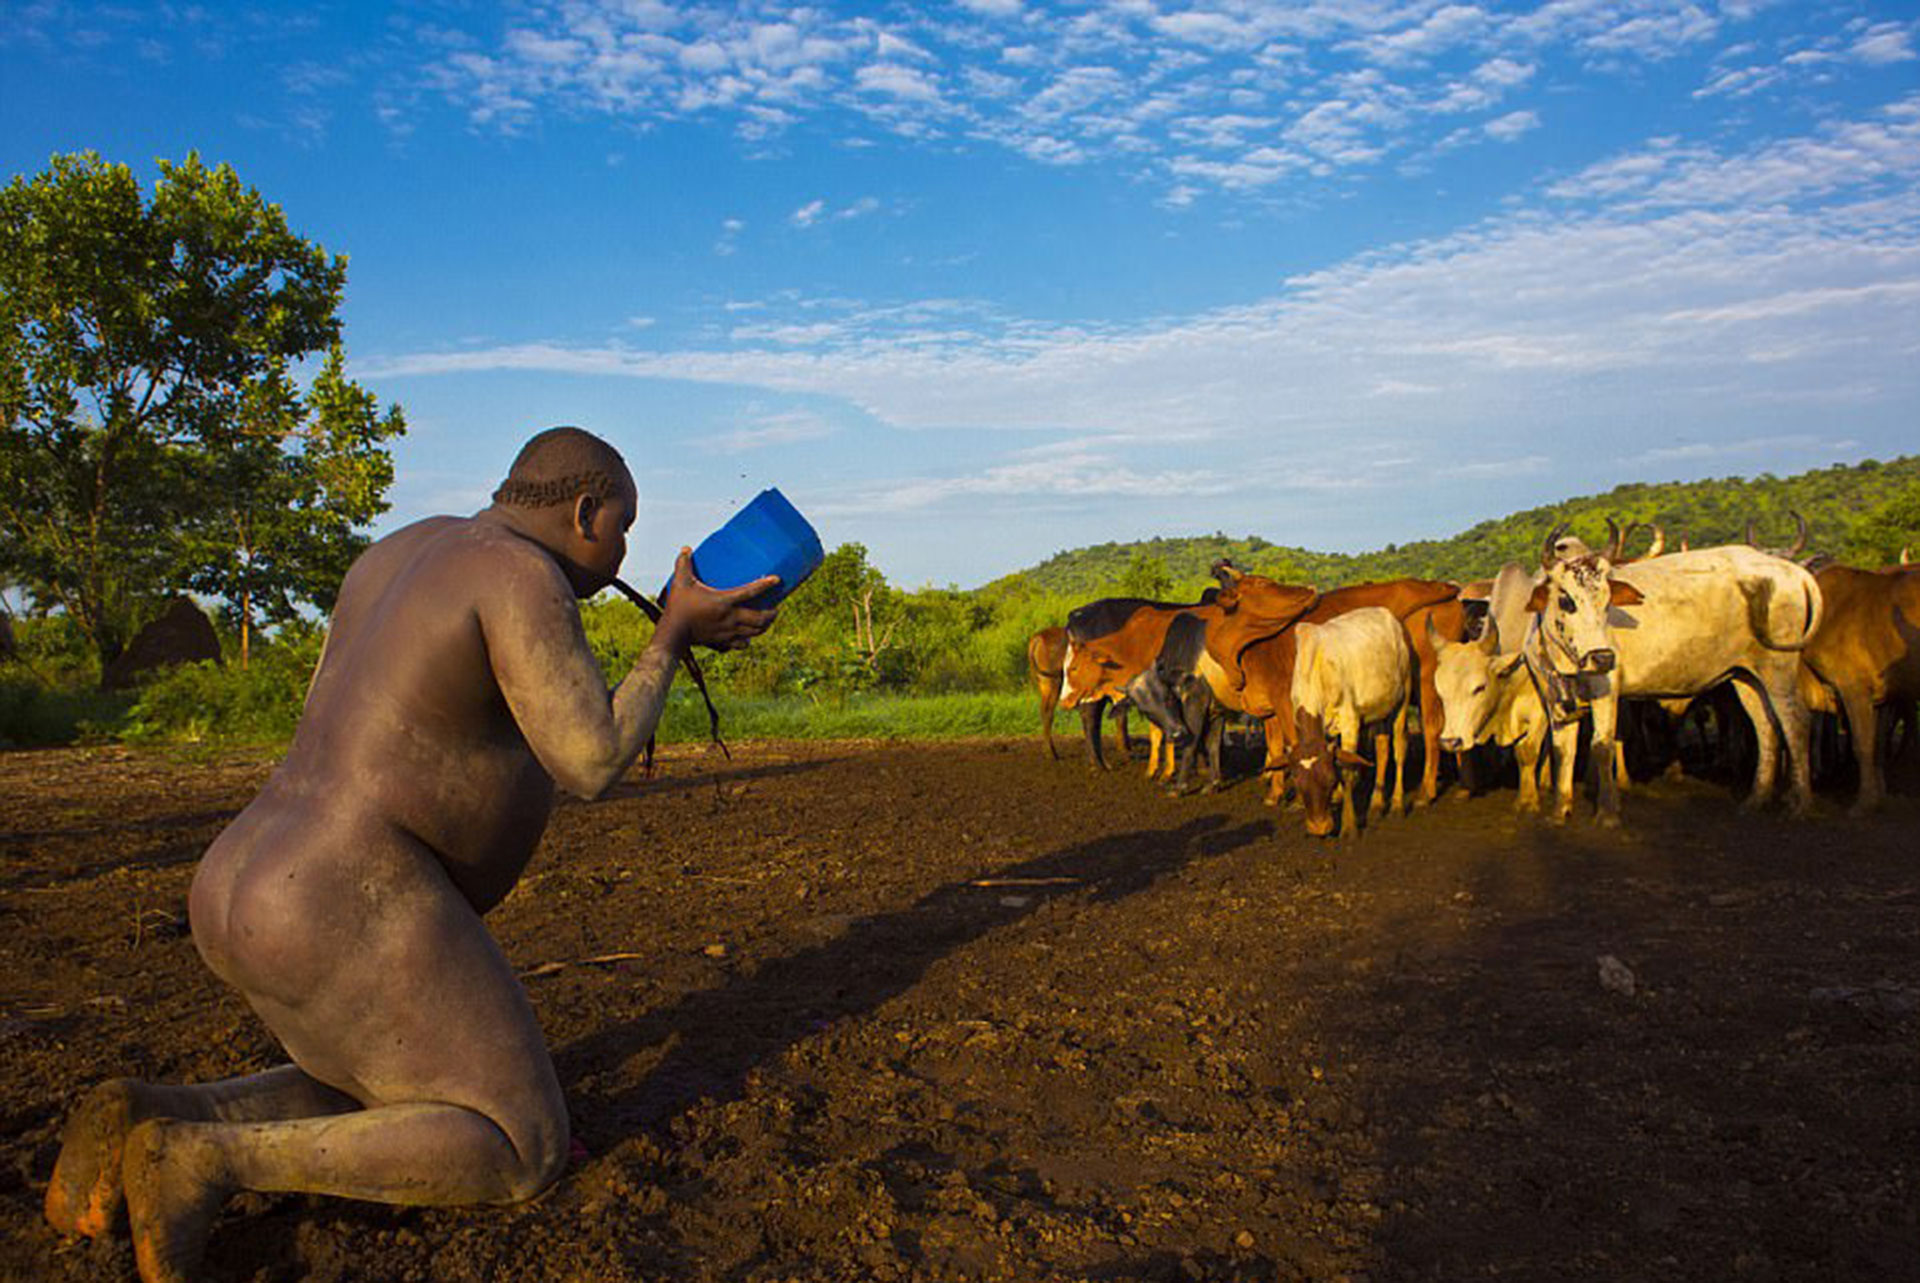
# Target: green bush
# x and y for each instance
(35, 715)
(208, 702)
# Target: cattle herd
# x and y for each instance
(1555, 663)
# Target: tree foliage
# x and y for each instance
(1890, 530)
(1835, 501)
(145, 394)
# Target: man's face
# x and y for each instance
(600, 543)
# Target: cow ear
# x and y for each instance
(1619, 594)
(1537, 599)
(1350, 758)
(1505, 664)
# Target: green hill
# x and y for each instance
(1707, 512)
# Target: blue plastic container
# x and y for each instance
(767, 537)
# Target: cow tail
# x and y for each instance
(1761, 604)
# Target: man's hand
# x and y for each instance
(697, 615)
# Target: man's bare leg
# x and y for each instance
(179, 1174)
(84, 1196)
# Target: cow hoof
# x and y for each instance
(1460, 794)
(1608, 819)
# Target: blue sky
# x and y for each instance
(975, 282)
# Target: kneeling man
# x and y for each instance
(455, 690)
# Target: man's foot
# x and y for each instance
(175, 1189)
(84, 1195)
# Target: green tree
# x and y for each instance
(135, 335)
(1146, 576)
(1879, 537)
(287, 481)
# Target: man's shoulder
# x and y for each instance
(458, 554)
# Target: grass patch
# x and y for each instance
(859, 716)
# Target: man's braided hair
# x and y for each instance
(559, 464)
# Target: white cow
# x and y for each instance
(1488, 696)
(1353, 671)
(1672, 627)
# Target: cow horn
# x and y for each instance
(1686, 544)
(1799, 544)
(1615, 538)
(1434, 639)
(1659, 544)
(1226, 572)
(1546, 549)
(1750, 542)
(1906, 555)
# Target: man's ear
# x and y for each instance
(585, 509)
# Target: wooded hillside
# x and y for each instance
(1832, 499)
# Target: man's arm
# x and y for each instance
(585, 738)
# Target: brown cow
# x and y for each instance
(1257, 663)
(1100, 667)
(1046, 659)
(1865, 654)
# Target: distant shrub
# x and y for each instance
(208, 702)
(35, 715)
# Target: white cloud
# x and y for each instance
(898, 82)
(1887, 42)
(1524, 466)
(1184, 94)
(808, 214)
(773, 430)
(1652, 291)
(1511, 126)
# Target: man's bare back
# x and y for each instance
(455, 690)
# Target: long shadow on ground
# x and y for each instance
(721, 1034)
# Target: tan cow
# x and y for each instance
(1866, 654)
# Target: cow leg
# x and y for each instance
(1527, 751)
(1861, 722)
(1400, 760)
(1566, 747)
(1796, 731)
(1622, 777)
(1276, 738)
(1377, 805)
(1466, 775)
(1216, 735)
(1606, 712)
(1430, 720)
(1049, 701)
(1156, 741)
(1090, 727)
(1767, 740)
(1120, 710)
(1349, 820)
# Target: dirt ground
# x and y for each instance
(863, 1011)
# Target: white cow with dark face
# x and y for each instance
(1669, 628)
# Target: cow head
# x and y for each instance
(1090, 673)
(1468, 677)
(1572, 600)
(1312, 763)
